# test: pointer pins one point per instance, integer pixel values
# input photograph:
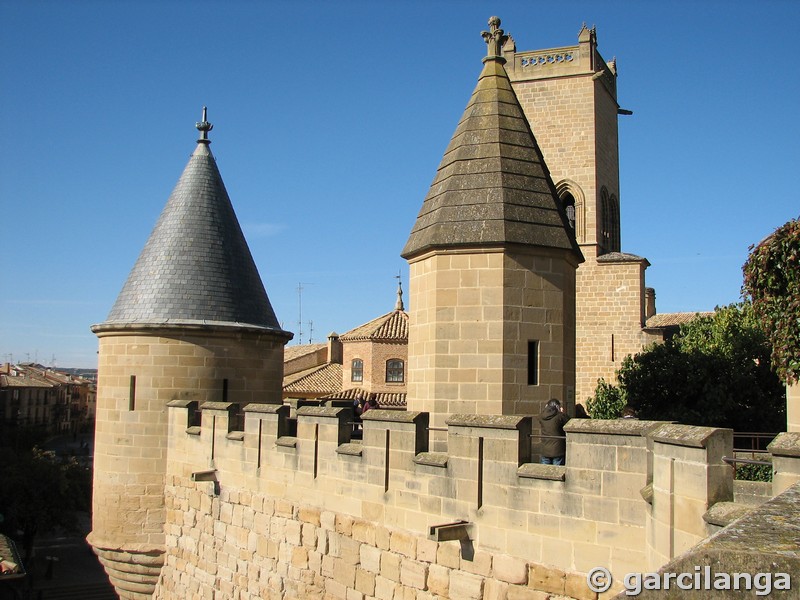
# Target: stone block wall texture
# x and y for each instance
(785, 450)
(473, 315)
(131, 431)
(793, 407)
(319, 516)
(610, 316)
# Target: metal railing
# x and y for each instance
(749, 441)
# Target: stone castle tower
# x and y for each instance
(569, 96)
(492, 267)
(192, 322)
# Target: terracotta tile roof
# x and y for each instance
(384, 399)
(298, 350)
(673, 319)
(24, 379)
(325, 379)
(392, 326)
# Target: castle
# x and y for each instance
(510, 259)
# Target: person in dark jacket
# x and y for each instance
(554, 446)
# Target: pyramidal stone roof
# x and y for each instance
(196, 268)
(492, 187)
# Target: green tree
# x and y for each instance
(608, 401)
(41, 492)
(715, 372)
(772, 283)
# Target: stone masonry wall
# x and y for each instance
(473, 314)
(247, 546)
(258, 513)
(456, 333)
(610, 297)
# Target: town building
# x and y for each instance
(38, 397)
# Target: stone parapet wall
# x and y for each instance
(619, 503)
(785, 450)
(793, 407)
(764, 541)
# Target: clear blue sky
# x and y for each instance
(330, 119)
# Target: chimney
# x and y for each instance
(649, 302)
(334, 348)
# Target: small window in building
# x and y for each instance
(395, 371)
(533, 362)
(357, 370)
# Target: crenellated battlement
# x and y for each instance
(632, 495)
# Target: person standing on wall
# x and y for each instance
(554, 443)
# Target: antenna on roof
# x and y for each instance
(300, 313)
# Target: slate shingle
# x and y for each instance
(196, 267)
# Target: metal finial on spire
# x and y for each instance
(204, 127)
(399, 304)
(494, 38)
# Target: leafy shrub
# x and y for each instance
(607, 402)
(746, 472)
(772, 282)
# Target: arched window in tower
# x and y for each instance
(357, 370)
(569, 205)
(605, 221)
(614, 209)
(572, 200)
(395, 371)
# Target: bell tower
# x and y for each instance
(569, 95)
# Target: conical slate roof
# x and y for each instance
(196, 268)
(492, 186)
